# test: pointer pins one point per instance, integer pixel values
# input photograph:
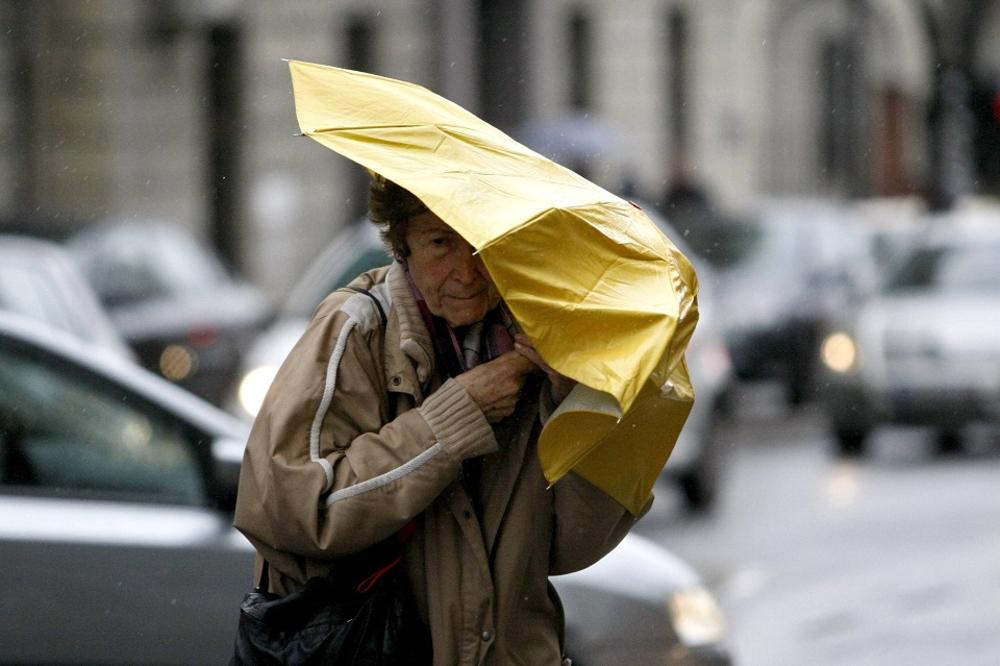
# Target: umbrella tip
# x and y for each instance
(286, 60)
(299, 134)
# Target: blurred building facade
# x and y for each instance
(182, 110)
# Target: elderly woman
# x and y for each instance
(418, 403)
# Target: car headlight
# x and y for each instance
(696, 617)
(178, 362)
(839, 352)
(254, 386)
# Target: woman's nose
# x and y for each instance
(467, 266)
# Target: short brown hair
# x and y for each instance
(390, 208)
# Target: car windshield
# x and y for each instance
(305, 300)
(950, 269)
(30, 292)
(137, 263)
(768, 249)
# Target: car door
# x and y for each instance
(111, 549)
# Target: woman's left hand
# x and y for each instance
(561, 384)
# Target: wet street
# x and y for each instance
(892, 559)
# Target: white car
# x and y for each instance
(790, 270)
(925, 349)
(39, 279)
(173, 300)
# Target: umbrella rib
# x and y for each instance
(350, 128)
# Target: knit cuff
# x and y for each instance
(457, 422)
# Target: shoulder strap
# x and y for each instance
(378, 304)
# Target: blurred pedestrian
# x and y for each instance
(413, 400)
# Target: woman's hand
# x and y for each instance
(496, 385)
(561, 384)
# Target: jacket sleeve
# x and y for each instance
(325, 472)
(588, 524)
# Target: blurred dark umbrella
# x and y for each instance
(575, 139)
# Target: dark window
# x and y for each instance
(829, 112)
(359, 39)
(581, 71)
(18, 138)
(66, 432)
(503, 62)
(225, 83)
(677, 83)
(986, 143)
(842, 156)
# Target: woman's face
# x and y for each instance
(454, 283)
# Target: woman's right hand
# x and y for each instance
(496, 385)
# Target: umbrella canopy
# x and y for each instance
(605, 297)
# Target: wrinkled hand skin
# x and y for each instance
(561, 384)
(496, 385)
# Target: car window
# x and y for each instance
(66, 432)
(768, 249)
(971, 269)
(28, 291)
(303, 305)
(129, 264)
(953, 269)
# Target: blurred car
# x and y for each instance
(353, 250)
(39, 280)
(696, 460)
(116, 491)
(925, 349)
(641, 605)
(172, 300)
(791, 270)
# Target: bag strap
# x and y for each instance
(375, 300)
(264, 582)
(405, 533)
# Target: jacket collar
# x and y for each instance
(406, 332)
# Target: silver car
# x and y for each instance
(39, 279)
(116, 490)
(115, 498)
(788, 274)
(173, 300)
(697, 461)
(924, 350)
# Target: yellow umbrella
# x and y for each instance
(606, 298)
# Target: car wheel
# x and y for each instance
(801, 373)
(948, 443)
(799, 385)
(850, 442)
(700, 484)
(699, 493)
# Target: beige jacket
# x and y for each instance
(359, 434)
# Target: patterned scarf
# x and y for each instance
(464, 349)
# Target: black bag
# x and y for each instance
(334, 620)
